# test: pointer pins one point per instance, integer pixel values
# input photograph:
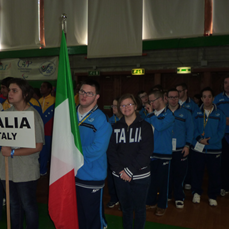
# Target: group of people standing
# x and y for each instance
(147, 148)
(186, 139)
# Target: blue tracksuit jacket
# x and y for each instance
(183, 128)
(95, 134)
(190, 105)
(163, 124)
(113, 119)
(143, 112)
(222, 102)
(215, 129)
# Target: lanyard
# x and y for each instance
(84, 119)
(115, 118)
(206, 121)
(92, 110)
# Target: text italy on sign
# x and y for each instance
(17, 129)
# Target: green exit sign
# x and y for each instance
(138, 71)
(94, 73)
(107, 107)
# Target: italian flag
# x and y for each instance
(66, 154)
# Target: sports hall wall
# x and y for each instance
(194, 33)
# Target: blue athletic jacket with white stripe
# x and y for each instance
(183, 128)
(190, 105)
(222, 102)
(113, 119)
(215, 129)
(163, 126)
(95, 134)
(130, 148)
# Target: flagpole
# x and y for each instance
(64, 24)
(7, 193)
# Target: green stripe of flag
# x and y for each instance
(64, 90)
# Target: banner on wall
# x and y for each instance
(44, 68)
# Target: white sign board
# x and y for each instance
(17, 129)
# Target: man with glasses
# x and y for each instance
(144, 100)
(95, 132)
(184, 100)
(191, 106)
(162, 121)
(222, 102)
(182, 136)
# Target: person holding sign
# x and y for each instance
(23, 162)
(209, 129)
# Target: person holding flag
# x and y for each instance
(95, 132)
(77, 173)
(66, 156)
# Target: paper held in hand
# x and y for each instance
(199, 147)
(17, 129)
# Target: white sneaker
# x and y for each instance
(4, 202)
(179, 204)
(212, 202)
(223, 192)
(196, 198)
(187, 186)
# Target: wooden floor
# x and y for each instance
(196, 216)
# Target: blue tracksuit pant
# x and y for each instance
(178, 170)
(159, 182)
(90, 208)
(224, 164)
(212, 161)
(188, 177)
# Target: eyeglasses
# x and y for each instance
(173, 97)
(152, 101)
(180, 91)
(127, 105)
(89, 93)
(114, 106)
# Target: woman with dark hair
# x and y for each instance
(23, 162)
(129, 151)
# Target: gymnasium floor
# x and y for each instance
(195, 216)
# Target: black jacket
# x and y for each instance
(130, 148)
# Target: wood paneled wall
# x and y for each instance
(114, 85)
